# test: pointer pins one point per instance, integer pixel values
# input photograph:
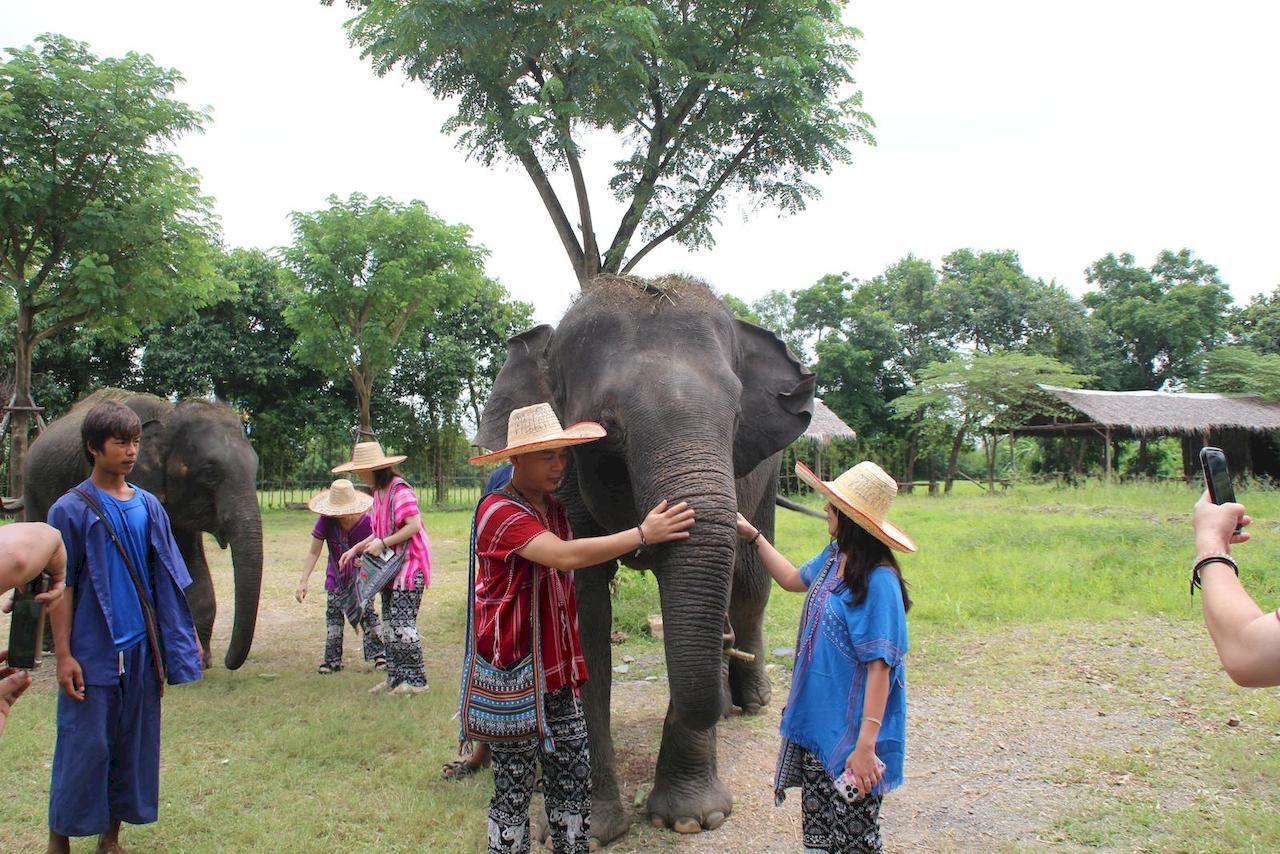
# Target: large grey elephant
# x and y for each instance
(195, 458)
(697, 406)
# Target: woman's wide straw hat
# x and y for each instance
(368, 456)
(340, 499)
(864, 493)
(536, 428)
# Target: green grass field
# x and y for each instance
(274, 756)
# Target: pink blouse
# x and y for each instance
(418, 561)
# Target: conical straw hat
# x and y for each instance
(536, 428)
(367, 456)
(340, 499)
(864, 493)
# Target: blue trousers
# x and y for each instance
(106, 761)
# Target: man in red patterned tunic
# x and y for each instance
(518, 527)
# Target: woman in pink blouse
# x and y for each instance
(394, 525)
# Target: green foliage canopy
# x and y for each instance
(368, 277)
(710, 98)
(1163, 318)
(101, 226)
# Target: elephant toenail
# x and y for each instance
(714, 820)
(686, 825)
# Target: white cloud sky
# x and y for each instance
(1063, 131)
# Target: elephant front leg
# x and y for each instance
(688, 795)
(609, 818)
(200, 595)
(749, 686)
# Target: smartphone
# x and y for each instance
(26, 629)
(1217, 476)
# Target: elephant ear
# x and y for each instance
(777, 397)
(153, 451)
(521, 382)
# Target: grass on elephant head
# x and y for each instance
(275, 756)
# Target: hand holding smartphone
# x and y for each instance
(1217, 476)
(26, 628)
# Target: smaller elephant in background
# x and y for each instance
(194, 457)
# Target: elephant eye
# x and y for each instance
(208, 473)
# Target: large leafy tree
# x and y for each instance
(439, 385)
(101, 226)
(1164, 318)
(369, 277)
(241, 351)
(1241, 370)
(708, 98)
(1257, 325)
(984, 393)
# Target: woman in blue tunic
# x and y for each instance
(847, 713)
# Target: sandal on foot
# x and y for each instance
(326, 669)
(458, 769)
(404, 689)
(379, 663)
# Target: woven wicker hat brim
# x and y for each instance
(577, 434)
(322, 504)
(884, 531)
(369, 465)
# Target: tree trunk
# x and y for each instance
(989, 445)
(933, 473)
(956, 444)
(19, 420)
(909, 471)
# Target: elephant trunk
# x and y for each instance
(244, 533)
(695, 576)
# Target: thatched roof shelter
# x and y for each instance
(1162, 413)
(1201, 418)
(826, 425)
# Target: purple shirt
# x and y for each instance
(328, 529)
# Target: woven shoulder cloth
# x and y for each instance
(496, 704)
(375, 572)
(148, 610)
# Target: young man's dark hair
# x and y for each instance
(110, 419)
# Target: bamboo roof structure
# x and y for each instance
(1160, 413)
(826, 425)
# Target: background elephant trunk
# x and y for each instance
(244, 533)
(695, 577)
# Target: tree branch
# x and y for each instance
(700, 205)
(554, 209)
(55, 328)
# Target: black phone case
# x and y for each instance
(26, 628)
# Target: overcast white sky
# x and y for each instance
(1062, 131)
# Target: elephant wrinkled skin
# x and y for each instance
(195, 458)
(697, 406)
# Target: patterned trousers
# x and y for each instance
(833, 824)
(334, 622)
(404, 644)
(566, 782)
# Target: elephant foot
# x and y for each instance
(689, 806)
(609, 821)
(750, 688)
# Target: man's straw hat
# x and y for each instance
(368, 456)
(340, 499)
(536, 428)
(864, 493)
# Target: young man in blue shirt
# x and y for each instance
(114, 651)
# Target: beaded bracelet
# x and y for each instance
(1205, 560)
(752, 541)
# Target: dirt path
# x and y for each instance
(998, 757)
